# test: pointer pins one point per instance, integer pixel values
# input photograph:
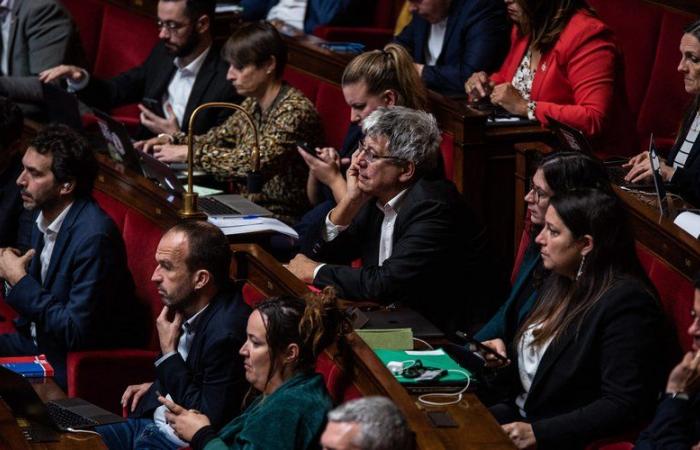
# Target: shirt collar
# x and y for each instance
(394, 203)
(191, 324)
(55, 226)
(195, 65)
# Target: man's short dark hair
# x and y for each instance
(208, 249)
(73, 159)
(11, 123)
(197, 8)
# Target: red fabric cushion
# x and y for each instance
(447, 148)
(307, 84)
(251, 295)
(334, 113)
(87, 15)
(336, 384)
(520, 255)
(610, 446)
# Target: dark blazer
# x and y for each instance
(87, 300)
(318, 12)
(151, 80)
(211, 380)
(42, 36)
(676, 426)
(686, 180)
(476, 39)
(507, 320)
(439, 264)
(10, 203)
(603, 378)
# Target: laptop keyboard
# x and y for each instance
(214, 207)
(65, 418)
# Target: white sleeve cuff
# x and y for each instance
(331, 230)
(164, 357)
(75, 86)
(317, 269)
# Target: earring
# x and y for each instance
(580, 267)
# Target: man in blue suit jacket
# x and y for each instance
(451, 39)
(318, 12)
(72, 289)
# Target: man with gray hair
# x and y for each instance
(368, 423)
(419, 242)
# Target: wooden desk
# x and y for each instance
(11, 437)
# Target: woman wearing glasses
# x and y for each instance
(257, 56)
(589, 357)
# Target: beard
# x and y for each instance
(185, 49)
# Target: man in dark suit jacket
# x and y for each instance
(183, 71)
(418, 241)
(451, 39)
(73, 289)
(200, 329)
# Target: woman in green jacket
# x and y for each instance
(285, 336)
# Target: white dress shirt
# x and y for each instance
(291, 12)
(5, 27)
(183, 348)
(386, 235)
(180, 86)
(529, 358)
(435, 42)
(50, 232)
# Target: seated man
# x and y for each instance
(451, 39)
(419, 242)
(305, 14)
(676, 425)
(183, 71)
(367, 423)
(11, 123)
(72, 290)
(201, 328)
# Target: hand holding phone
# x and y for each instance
(493, 358)
(154, 106)
(307, 148)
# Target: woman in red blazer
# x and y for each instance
(563, 63)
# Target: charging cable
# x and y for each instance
(456, 395)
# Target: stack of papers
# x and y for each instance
(252, 224)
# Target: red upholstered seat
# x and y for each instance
(87, 15)
(334, 113)
(336, 384)
(141, 237)
(447, 148)
(307, 84)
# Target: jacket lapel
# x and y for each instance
(63, 238)
(451, 26)
(12, 36)
(202, 324)
(37, 243)
(550, 357)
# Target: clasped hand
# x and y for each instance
(13, 264)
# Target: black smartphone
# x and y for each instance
(307, 148)
(154, 106)
(476, 346)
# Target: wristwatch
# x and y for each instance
(170, 137)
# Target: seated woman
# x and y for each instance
(556, 173)
(285, 336)
(682, 165)
(563, 64)
(257, 55)
(588, 357)
(372, 79)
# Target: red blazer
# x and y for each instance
(580, 82)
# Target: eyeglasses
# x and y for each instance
(537, 193)
(170, 25)
(372, 156)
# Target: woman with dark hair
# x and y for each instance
(563, 63)
(556, 173)
(588, 357)
(682, 165)
(285, 337)
(257, 55)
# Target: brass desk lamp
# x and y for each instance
(254, 180)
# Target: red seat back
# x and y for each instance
(334, 113)
(447, 148)
(87, 15)
(337, 384)
(307, 84)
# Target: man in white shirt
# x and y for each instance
(416, 237)
(183, 71)
(200, 329)
(72, 289)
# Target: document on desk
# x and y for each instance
(689, 222)
(252, 224)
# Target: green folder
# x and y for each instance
(430, 358)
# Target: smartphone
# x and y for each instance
(476, 346)
(154, 106)
(307, 148)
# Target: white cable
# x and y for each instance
(423, 342)
(73, 430)
(457, 394)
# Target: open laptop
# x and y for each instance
(121, 149)
(393, 316)
(40, 421)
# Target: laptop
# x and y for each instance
(393, 316)
(122, 150)
(40, 421)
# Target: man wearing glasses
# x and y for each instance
(182, 72)
(418, 241)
